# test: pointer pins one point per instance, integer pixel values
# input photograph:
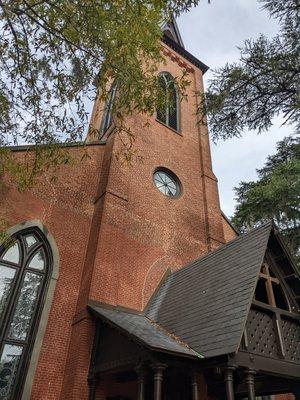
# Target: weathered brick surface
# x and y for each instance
(229, 232)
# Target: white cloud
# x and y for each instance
(212, 33)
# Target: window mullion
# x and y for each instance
(14, 294)
(167, 106)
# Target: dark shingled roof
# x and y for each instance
(143, 330)
(206, 303)
(203, 307)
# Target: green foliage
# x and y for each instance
(3, 236)
(54, 55)
(264, 83)
(275, 195)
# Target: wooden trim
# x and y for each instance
(267, 365)
(275, 310)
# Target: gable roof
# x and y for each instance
(142, 330)
(172, 38)
(171, 30)
(201, 310)
(206, 303)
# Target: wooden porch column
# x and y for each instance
(250, 383)
(194, 386)
(228, 378)
(92, 382)
(158, 379)
(141, 372)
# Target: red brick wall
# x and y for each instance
(288, 396)
(229, 232)
(116, 233)
(66, 209)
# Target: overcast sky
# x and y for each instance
(212, 33)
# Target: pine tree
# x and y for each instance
(275, 195)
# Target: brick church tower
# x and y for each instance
(100, 293)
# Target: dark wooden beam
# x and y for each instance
(267, 385)
(267, 365)
(121, 364)
(278, 333)
(264, 306)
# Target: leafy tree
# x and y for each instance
(56, 54)
(248, 94)
(275, 195)
(264, 83)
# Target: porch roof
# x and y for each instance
(141, 329)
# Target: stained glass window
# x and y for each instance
(24, 272)
(168, 109)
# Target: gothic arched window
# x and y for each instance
(25, 269)
(108, 110)
(168, 110)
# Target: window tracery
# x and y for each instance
(25, 268)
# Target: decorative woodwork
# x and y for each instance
(269, 280)
(261, 334)
(291, 339)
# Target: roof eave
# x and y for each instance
(137, 340)
(184, 53)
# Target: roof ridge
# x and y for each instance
(172, 336)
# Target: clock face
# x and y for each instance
(166, 183)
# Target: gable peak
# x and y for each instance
(171, 30)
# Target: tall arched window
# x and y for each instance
(168, 111)
(108, 110)
(25, 269)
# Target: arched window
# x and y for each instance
(108, 110)
(168, 110)
(25, 269)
